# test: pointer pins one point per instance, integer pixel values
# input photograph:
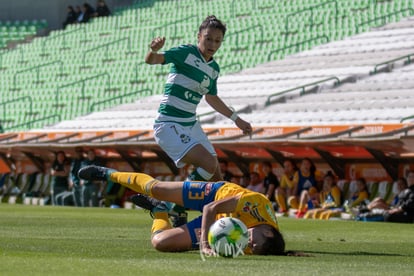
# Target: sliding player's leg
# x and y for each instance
(139, 182)
(163, 236)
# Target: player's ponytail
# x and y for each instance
(211, 21)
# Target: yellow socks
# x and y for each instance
(281, 201)
(293, 202)
(160, 223)
(138, 182)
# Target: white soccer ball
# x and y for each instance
(228, 237)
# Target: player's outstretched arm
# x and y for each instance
(215, 102)
(153, 57)
(226, 205)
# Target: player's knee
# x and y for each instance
(161, 244)
(211, 166)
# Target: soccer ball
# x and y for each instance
(228, 237)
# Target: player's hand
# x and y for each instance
(244, 126)
(206, 250)
(157, 43)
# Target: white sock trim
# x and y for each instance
(204, 174)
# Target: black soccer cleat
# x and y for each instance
(154, 205)
(178, 219)
(93, 172)
(145, 202)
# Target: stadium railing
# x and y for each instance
(301, 88)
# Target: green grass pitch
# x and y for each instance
(45, 240)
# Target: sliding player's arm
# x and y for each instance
(210, 211)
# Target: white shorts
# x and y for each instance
(176, 140)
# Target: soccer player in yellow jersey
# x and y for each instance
(330, 200)
(285, 189)
(213, 199)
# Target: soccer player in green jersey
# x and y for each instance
(193, 74)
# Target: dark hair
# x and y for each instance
(274, 245)
(362, 180)
(313, 167)
(330, 174)
(212, 22)
(364, 183)
(64, 156)
(291, 161)
(404, 181)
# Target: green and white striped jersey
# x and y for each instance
(189, 79)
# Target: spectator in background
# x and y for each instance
(305, 188)
(102, 9)
(404, 210)
(70, 17)
(376, 209)
(226, 174)
(59, 172)
(78, 14)
(270, 181)
(244, 180)
(380, 203)
(91, 189)
(256, 183)
(361, 195)
(75, 181)
(285, 190)
(329, 200)
(87, 13)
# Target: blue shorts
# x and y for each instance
(196, 194)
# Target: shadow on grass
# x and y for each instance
(359, 253)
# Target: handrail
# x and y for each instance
(296, 45)
(408, 57)
(92, 106)
(268, 101)
(63, 34)
(38, 71)
(29, 123)
(136, 71)
(199, 116)
(175, 24)
(19, 99)
(244, 31)
(83, 81)
(383, 17)
(406, 118)
(106, 45)
(311, 9)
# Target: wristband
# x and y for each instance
(234, 116)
